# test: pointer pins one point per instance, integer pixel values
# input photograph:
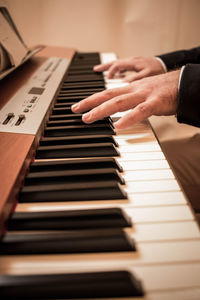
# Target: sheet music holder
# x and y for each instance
(13, 50)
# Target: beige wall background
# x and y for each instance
(127, 27)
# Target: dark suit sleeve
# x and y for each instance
(189, 96)
(177, 59)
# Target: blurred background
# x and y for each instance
(128, 28)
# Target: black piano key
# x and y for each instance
(82, 55)
(81, 59)
(70, 219)
(80, 67)
(65, 107)
(76, 121)
(76, 241)
(65, 117)
(85, 69)
(79, 78)
(84, 85)
(81, 90)
(106, 120)
(92, 129)
(75, 164)
(85, 62)
(87, 191)
(82, 72)
(72, 140)
(74, 94)
(61, 111)
(70, 176)
(74, 98)
(98, 84)
(77, 150)
(67, 121)
(86, 55)
(90, 285)
(64, 104)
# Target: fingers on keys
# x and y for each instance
(97, 99)
(112, 68)
(102, 67)
(118, 103)
(141, 112)
(106, 103)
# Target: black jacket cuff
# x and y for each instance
(180, 58)
(189, 96)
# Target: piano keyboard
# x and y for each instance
(100, 214)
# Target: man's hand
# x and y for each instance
(142, 67)
(156, 95)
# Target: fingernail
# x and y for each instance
(96, 67)
(75, 107)
(117, 125)
(86, 117)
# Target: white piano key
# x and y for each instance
(152, 186)
(170, 294)
(157, 199)
(144, 165)
(137, 138)
(140, 127)
(160, 214)
(113, 85)
(166, 277)
(148, 175)
(107, 57)
(113, 80)
(141, 155)
(164, 231)
(127, 133)
(168, 252)
(138, 147)
(174, 294)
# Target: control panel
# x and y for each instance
(26, 109)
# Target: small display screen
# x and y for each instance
(36, 91)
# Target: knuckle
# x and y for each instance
(109, 93)
(114, 67)
(119, 101)
(145, 109)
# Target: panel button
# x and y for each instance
(8, 118)
(20, 119)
